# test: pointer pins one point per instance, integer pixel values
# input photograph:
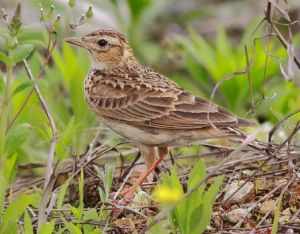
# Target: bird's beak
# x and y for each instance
(76, 41)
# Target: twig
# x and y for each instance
(49, 182)
(126, 208)
(20, 110)
(266, 63)
(276, 127)
(43, 102)
(228, 182)
(291, 164)
(261, 221)
(87, 162)
(288, 139)
(92, 145)
(249, 77)
(123, 184)
(31, 91)
(257, 202)
(49, 170)
(295, 215)
(266, 197)
(236, 73)
(126, 172)
(248, 179)
(276, 30)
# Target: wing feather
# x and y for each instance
(146, 98)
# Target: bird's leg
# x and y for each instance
(141, 178)
(162, 152)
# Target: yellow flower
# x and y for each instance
(166, 194)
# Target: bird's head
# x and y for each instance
(108, 48)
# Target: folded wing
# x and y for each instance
(148, 99)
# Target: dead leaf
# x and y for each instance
(126, 223)
(267, 206)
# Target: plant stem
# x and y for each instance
(4, 115)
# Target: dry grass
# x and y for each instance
(272, 172)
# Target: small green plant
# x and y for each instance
(11, 139)
(15, 210)
(107, 178)
(277, 213)
(15, 53)
(19, 128)
(207, 63)
(79, 213)
(24, 129)
(193, 214)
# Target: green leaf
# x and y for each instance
(1, 83)
(61, 194)
(80, 188)
(204, 53)
(206, 209)
(195, 225)
(74, 210)
(174, 182)
(47, 228)
(276, 215)
(197, 173)
(73, 65)
(169, 191)
(27, 84)
(193, 214)
(33, 36)
(22, 52)
(13, 212)
(71, 227)
(66, 138)
(107, 178)
(90, 214)
(158, 228)
(16, 136)
(195, 200)
(4, 184)
(62, 230)
(5, 59)
(223, 45)
(197, 73)
(9, 171)
(28, 229)
(95, 231)
(214, 189)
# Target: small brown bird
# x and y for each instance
(146, 107)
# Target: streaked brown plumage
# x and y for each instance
(145, 106)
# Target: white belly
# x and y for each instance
(161, 137)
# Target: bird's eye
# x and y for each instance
(102, 43)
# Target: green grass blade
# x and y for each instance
(276, 215)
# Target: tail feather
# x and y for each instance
(240, 136)
(246, 123)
